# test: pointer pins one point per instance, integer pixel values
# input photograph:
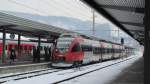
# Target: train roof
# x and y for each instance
(95, 38)
(98, 39)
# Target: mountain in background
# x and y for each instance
(85, 27)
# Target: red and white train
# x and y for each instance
(75, 49)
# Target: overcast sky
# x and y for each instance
(67, 8)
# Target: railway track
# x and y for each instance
(67, 79)
(51, 70)
(27, 74)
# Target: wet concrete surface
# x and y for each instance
(133, 74)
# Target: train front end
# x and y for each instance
(63, 55)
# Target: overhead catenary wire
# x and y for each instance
(68, 9)
(39, 12)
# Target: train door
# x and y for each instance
(88, 54)
(76, 52)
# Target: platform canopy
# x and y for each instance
(126, 14)
(18, 25)
(28, 28)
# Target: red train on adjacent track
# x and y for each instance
(25, 50)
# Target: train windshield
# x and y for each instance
(63, 44)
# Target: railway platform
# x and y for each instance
(19, 67)
(133, 74)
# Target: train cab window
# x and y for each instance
(76, 48)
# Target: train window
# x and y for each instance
(30, 47)
(94, 50)
(102, 50)
(25, 47)
(119, 50)
(110, 50)
(83, 47)
(67, 36)
(10, 46)
(99, 50)
(41, 48)
(76, 48)
(107, 50)
(89, 48)
(21, 47)
(113, 50)
(16, 46)
(116, 50)
(86, 48)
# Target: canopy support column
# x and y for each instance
(4, 46)
(39, 49)
(19, 51)
(147, 42)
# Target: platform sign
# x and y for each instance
(12, 36)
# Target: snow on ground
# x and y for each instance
(103, 76)
(97, 77)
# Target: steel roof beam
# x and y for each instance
(132, 23)
(131, 9)
(99, 8)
